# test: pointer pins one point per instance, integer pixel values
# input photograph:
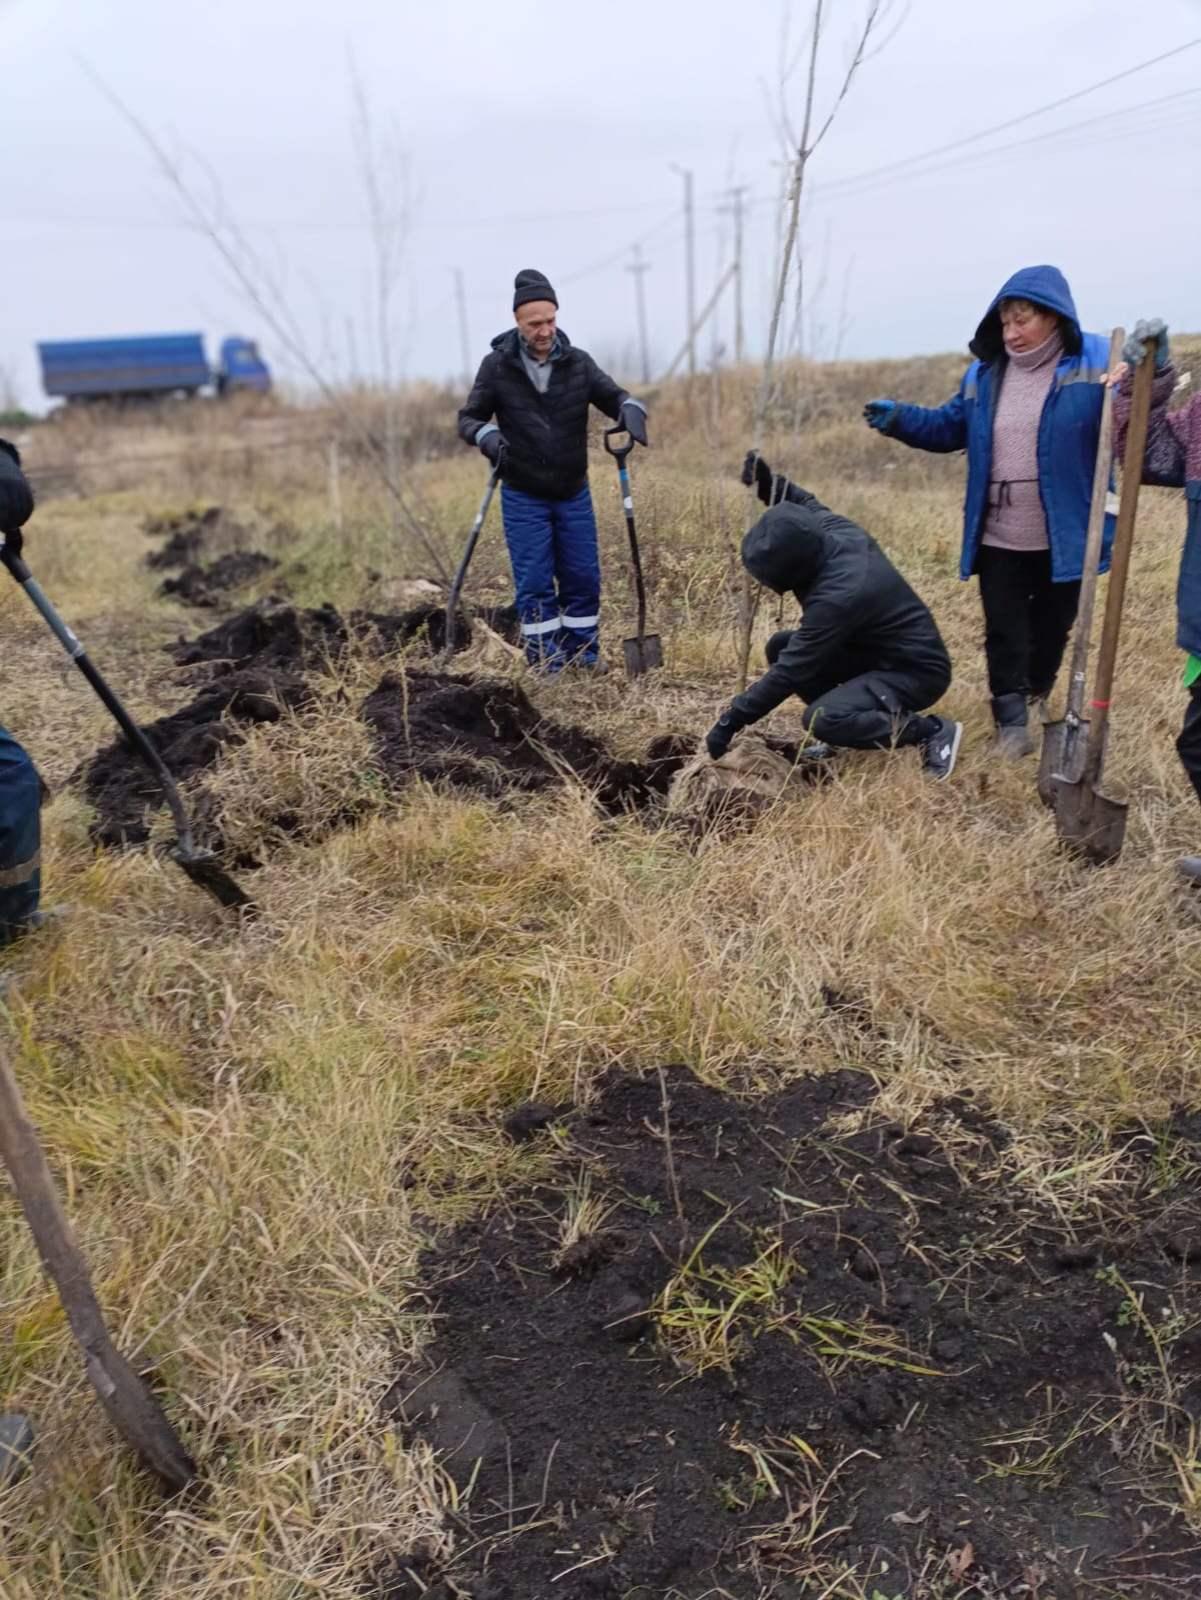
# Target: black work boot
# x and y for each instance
(1011, 715)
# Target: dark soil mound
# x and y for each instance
(268, 637)
(853, 1357)
(484, 735)
(272, 636)
(121, 786)
(206, 586)
(186, 536)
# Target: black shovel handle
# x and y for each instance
(620, 454)
(20, 572)
(473, 538)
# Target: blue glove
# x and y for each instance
(632, 417)
(720, 737)
(1135, 347)
(880, 414)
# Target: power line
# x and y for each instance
(1025, 116)
(1013, 122)
(852, 189)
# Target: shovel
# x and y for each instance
(1091, 825)
(200, 865)
(644, 652)
(473, 538)
(1064, 739)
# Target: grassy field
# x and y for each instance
(258, 1131)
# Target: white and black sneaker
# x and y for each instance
(940, 750)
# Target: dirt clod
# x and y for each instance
(524, 1121)
(123, 789)
(206, 586)
(186, 534)
(486, 735)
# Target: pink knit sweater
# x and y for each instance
(1016, 520)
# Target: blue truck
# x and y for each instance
(149, 367)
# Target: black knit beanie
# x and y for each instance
(531, 285)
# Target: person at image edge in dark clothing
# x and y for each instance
(1028, 413)
(867, 658)
(538, 387)
(20, 790)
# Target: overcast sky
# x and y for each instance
(542, 133)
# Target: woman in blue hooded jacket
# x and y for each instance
(1028, 413)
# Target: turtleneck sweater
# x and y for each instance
(1015, 519)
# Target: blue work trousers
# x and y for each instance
(20, 839)
(556, 573)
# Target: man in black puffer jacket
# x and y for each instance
(20, 790)
(867, 658)
(538, 387)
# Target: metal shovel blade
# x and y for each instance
(201, 867)
(642, 654)
(1092, 827)
(1062, 760)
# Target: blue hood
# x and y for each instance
(1042, 286)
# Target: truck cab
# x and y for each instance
(242, 368)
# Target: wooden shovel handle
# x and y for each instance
(1096, 535)
(1123, 544)
(124, 1395)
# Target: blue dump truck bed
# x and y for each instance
(153, 364)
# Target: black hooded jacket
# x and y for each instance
(859, 614)
(546, 434)
(16, 498)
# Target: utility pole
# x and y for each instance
(734, 208)
(640, 268)
(689, 265)
(464, 337)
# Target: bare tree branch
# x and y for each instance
(260, 290)
(804, 149)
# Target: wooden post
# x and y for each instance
(132, 1408)
(335, 485)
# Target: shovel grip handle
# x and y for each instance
(619, 452)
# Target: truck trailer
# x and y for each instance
(149, 367)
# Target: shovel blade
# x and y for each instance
(643, 654)
(1062, 759)
(1090, 826)
(204, 872)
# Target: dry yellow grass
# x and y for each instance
(257, 1130)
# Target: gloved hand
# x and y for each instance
(16, 497)
(720, 737)
(880, 415)
(493, 446)
(755, 470)
(1135, 347)
(632, 417)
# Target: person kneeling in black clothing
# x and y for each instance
(867, 658)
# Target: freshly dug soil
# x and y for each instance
(186, 536)
(485, 735)
(929, 1381)
(207, 586)
(123, 789)
(272, 636)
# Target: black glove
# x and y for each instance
(720, 736)
(632, 417)
(493, 446)
(755, 470)
(16, 497)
